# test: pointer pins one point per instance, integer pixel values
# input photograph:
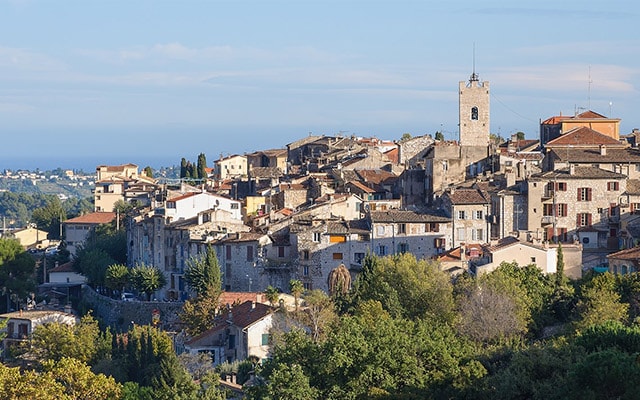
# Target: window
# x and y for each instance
(533, 260)
(402, 228)
(460, 233)
(431, 227)
(305, 254)
(461, 214)
(439, 243)
(337, 256)
(280, 251)
(337, 239)
(380, 230)
(474, 113)
(265, 339)
(611, 186)
(562, 210)
(305, 270)
(228, 250)
(477, 234)
(232, 342)
(316, 237)
(307, 285)
(382, 250)
(479, 214)
(358, 257)
(583, 219)
(235, 206)
(403, 248)
(561, 186)
(547, 210)
(584, 194)
(249, 253)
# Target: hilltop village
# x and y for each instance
(323, 201)
(423, 219)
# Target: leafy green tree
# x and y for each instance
(520, 135)
(439, 136)
(560, 278)
(147, 279)
(405, 137)
(297, 288)
(288, 382)
(203, 273)
(148, 171)
(318, 313)
(93, 264)
(183, 168)
(198, 313)
(83, 341)
(17, 269)
(50, 217)
(272, 295)
(80, 382)
(117, 277)
(406, 287)
(28, 384)
(600, 302)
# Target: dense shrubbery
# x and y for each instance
(405, 331)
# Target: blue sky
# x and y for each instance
(154, 81)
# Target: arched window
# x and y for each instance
(623, 270)
(474, 113)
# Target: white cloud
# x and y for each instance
(24, 60)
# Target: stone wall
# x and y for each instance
(119, 315)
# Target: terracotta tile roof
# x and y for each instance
(240, 237)
(454, 254)
(183, 196)
(408, 216)
(344, 227)
(555, 120)
(93, 218)
(66, 267)
(234, 298)
(362, 187)
(627, 254)
(377, 176)
(582, 173)
(590, 115)
(502, 244)
(467, 196)
(265, 172)
(393, 155)
(245, 315)
(584, 137)
(593, 155)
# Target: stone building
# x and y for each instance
(469, 210)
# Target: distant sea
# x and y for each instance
(86, 164)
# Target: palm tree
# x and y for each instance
(297, 288)
(147, 279)
(272, 295)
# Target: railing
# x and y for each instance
(547, 220)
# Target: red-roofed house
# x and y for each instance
(76, 230)
(553, 127)
(469, 209)
(237, 334)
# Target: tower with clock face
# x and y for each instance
(474, 112)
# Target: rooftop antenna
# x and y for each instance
(589, 92)
(474, 76)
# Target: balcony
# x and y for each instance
(546, 220)
(547, 194)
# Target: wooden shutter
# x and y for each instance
(589, 219)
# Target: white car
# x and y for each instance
(51, 251)
(128, 297)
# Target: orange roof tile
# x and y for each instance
(93, 218)
(584, 137)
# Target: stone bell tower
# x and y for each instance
(474, 112)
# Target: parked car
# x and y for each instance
(128, 297)
(51, 251)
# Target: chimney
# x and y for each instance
(572, 169)
(463, 252)
(603, 150)
(253, 305)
